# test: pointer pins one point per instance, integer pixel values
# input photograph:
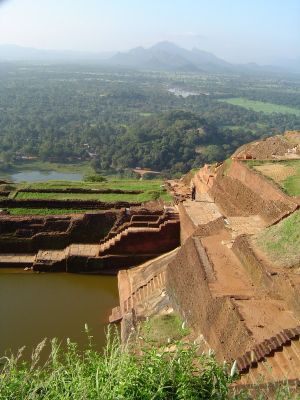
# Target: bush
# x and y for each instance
(94, 178)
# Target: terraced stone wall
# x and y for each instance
(30, 234)
(215, 318)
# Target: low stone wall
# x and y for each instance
(215, 318)
(107, 265)
(187, 227)
(65, 204)
(80, 190)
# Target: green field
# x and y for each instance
(281, 242)
(260, 106)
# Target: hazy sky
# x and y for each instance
(237, 30)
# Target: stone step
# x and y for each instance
(116, 315)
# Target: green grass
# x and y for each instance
(227, 165)
(281, 242)
(291, 185)
(261, 106)
(118, 373)
(162, 329)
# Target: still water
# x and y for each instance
(35, 306)
(39, 176)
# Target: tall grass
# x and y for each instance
(117, 373)
(142, 372)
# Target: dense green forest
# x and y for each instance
(118, 118)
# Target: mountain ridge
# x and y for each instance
(165, 56)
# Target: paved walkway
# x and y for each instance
(203, 210)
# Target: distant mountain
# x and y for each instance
(168, 56)
(19, 53)
(164, 56)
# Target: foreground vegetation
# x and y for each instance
(118, 373)
(148, 372)
(281, 242)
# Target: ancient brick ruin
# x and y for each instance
(235, 302)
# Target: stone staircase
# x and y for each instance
(139, 224)
(275, 359)
(143, 292)
(143, 221)
(106, 247)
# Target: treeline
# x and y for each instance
(175, 141)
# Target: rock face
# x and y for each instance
(241, 305)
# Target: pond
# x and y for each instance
(40, 176)
(181, 92)
(37, 306)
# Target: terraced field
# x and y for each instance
(63, 190)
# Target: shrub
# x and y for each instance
(94, 178)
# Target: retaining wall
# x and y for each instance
(215, 318)
(65, 204)
(241, 191)
(278, 281)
